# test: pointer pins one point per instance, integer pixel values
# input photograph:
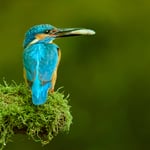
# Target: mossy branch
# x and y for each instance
(19, 115)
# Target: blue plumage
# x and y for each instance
(40, 61)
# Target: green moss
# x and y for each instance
(41, 123)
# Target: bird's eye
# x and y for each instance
(47, 31)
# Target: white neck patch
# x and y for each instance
(37, 40)
(33, 42)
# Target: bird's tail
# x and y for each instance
(40, 92)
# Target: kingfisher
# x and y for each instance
(41, 58)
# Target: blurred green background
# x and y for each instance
(107, 75)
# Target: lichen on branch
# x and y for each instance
(41, 123)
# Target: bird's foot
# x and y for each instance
(51, 91)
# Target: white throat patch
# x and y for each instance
(33, 42)
(37, 40)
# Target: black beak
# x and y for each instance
(73, 32)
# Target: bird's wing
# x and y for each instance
(29, 64)
(48, 62)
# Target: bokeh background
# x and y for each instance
(107, 75)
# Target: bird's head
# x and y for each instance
(47, 33)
